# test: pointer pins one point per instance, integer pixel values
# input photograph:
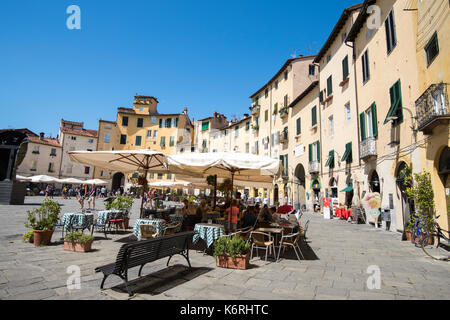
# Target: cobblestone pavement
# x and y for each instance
(337, 257)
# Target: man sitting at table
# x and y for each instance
(250, 217)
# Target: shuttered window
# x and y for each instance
(391, 37)
(138, 141)
(299, 126)
(432, 48)
(365, 66)
(396, 110)
(330, 86)
(314, 116)
(345, 68)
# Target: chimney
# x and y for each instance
(215, 114)
(41, 136)
(185, 111)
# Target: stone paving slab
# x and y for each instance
(337, 254)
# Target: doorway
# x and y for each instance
(118, 181)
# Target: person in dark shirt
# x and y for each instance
(250, 217)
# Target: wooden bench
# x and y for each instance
(142, 252)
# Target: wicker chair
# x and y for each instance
(147, 231)
(261, 240)
(292, 241)
(245, 233)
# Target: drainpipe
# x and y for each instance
(62, 155)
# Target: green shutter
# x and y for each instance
(275, 111)
(176, 122)
(266, 115)
(321, 96)
(318, 151)
(345, 68)
(374, 120)
(348, 153)
(160, 123)
(330, 161)
(310, 152)
(363, 126)
(314, 115)
(299, 129)
(396, 109)
(329, 86)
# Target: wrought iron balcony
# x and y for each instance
(368, 148)
(432, 108)
(314, 167)
(255, 109)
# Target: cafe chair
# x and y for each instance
(172, 228)
(292, 241)
(261, 240)
(147, 231)
(232, 235)
(245, 233)
(116, 219)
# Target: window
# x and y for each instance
(102, 173)
(226, 132)
(70, 168)
(160, 176)
(123, 139)
(321, 96)
(73, 138)
(368, 123)
(169, 176)
(152, 176)
(256, 147)
(312, 70)
(299, 126)
(138, 141)
(329, 58)
(266, 93)
(285, 75)
(50, 167)
(314, 151)
(176, 122)
(286, 100)
(108, 126)
(432, 49)
(247, 148)
(90, 150)
(345, 68)
(204, 143)
(396, 111)
(276, 84)
(125, 121)
(214, 150)
(91, 140)
(205, 125)
(391, 38)
(87, 170)
(314, 116)
(275, 108)
(36, 150)
(347, 112)
(140, 122)
(266, 115)
(284, 162)
(331, 122)
(107, 138)
(141, 109)
(168, 123)
(33, 165)
(153, 120)
(155, 134)
(149, 134)
(365, 66)
(163, 142)
(236, 132)
(329, 86)
(172, 141)
(160, 123)
(247, 126)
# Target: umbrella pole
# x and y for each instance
(231, 203)
(215, 191)
(142, 200)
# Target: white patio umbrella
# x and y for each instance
(168, 184)
(72, 181)
(97, 182)
(44, 179)
(237, 166)
(126, 161)
(22, 178)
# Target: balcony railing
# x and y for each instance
(432, 108)
(284, 136)
(314, 167)
(368, 148)
(255, 109)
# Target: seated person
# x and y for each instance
(250, 218)
(264, 215)
(185, 210)
(202, 209)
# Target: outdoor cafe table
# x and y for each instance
(83, 220)
(276, 231)
(159, 224)
(208, 232)
(104, 216)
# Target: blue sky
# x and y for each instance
(204, 55)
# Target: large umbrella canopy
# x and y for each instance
(126, 161)
(72, 181)
(96, 182)
(22, 178)
(44, 179)
(241, 166)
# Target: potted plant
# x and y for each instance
(78, 242)
(232, 253)
(28, 236)
(42, 220)
(122, 204)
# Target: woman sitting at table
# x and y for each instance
(185, 209)
(190, 219)
(265, 218)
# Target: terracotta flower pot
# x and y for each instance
(77, 246)
(408, 235)
(42, 238)
(240, 262)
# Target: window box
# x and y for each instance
(344, 82)
(284, 112)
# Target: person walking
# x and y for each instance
(91, 196)
(82, 195)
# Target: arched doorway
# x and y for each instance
(300, 187)
(407, 205)
(276, 194)
(118, 181)
(374, 182)
(315, 187)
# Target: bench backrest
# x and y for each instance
(135, 254)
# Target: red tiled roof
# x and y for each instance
(81, 132)
(47, 141)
